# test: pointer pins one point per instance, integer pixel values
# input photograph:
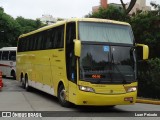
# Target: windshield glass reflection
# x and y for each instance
(107, 64)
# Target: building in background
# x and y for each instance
(103, 4)
(140, 5)
(48, 19)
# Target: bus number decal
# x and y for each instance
(96, 76)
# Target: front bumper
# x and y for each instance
(88, 98)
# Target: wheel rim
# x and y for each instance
(62, 95)
(22, 82)
(26, 83)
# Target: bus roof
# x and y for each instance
(73, 20)
(8, 48)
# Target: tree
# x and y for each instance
(9, 30)
(146, 28)
(111, 12)
(131, 5)
(28, 25)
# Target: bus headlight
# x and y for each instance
(131, 89)
(86, 89)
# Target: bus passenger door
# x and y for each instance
(71, 61)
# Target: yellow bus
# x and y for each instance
(83, 61)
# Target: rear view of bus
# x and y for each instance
(8, 61)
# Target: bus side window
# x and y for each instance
(35, 47)
(5, 55)
(12, 55)
(0, 55)
(24, 45)
(30, 39)
(20, 45)
(52, 38)
(43, 40)
(27, 43)
(33, 43)
(48, 43)
(39, 42)
(70, 57)
(59, 37)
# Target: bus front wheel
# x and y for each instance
(62, 97)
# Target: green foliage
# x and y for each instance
(28, 25)
(146, 28)
(11, 28)
(149, 79)
(114, 13)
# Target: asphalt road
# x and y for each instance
(14, 98)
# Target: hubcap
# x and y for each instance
(26, 84)
(62, 95)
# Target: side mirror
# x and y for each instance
(77, 48)
(143, 51)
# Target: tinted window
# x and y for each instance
(21, 45)
(0, 54)
(33, 42)
(12, 55)
(39, 41)
(30, 47)
(49, 39)
(59, 37)
(70, 58)
(24, 44)
(5, 55)
(52, 37)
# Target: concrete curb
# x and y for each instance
(148, 101)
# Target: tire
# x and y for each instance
(22, 82)
(27, 87)
(61, 97)
(13, 74)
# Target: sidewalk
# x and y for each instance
(155, 102)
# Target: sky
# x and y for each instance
(33, 9)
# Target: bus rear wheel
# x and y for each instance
(27, 87)
(62, 97)
(22, 82)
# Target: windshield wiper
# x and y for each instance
(115, 65)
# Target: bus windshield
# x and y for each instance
(107, 54)
(105, 32)
(107, 64)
